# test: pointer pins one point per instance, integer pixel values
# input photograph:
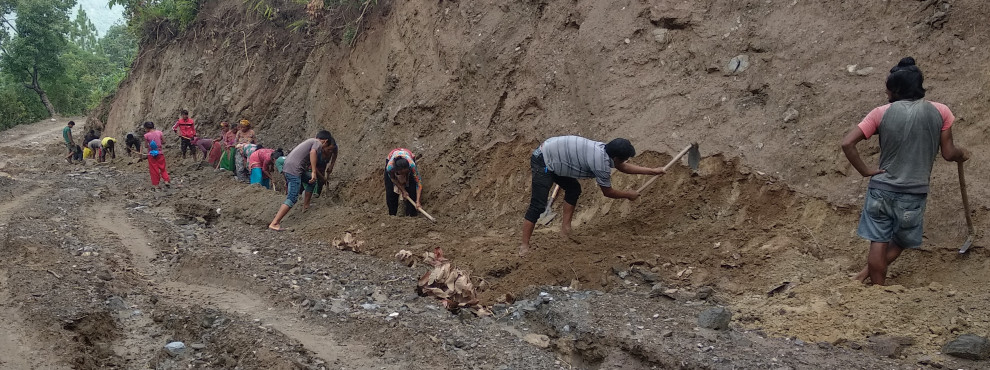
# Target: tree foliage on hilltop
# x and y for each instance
(53, 64)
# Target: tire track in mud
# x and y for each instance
(19, 350)
(317, 339)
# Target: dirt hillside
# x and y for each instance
(475, 86)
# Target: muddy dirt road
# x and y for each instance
(96, 271)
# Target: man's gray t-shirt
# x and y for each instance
(299, 155)
(577, 157)
(910, 133)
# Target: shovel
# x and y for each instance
(420, 209)
(548, 214)
(969, 219)
(694, 158)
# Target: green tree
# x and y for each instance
(83, 33)
(32, 47)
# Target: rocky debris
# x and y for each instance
(348, 243)
(968, 346)
(889, 346)
(928, 360)
(659, 291)
(538, 340)
(197, 346)
(737, 64)
(175, 348)
(716, 318)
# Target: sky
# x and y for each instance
(100, 14)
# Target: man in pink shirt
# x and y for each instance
(912, 131)
(186, 129)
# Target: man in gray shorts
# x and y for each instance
(563, 160)
(911, 130)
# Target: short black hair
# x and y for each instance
(72, 123)
(906, 82)
(149, 124)
(324, 135)
(277, 153)
(184, 112)
(620, 149)
(400, 164)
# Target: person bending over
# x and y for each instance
(305, 152)
(565, 159)
(402, 178)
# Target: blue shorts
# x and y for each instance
(257, 177)
(293, 183)
(893, 217)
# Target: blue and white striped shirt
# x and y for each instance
(577, 157)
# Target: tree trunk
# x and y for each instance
(36, 86)
(46, 102)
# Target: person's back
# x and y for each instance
(909, 141)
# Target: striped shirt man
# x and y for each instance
(577, 157)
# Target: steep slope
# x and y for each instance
(475, 86)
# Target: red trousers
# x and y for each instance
(157, 167)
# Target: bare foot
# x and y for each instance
(862, 275)
(523, 250)
(276, 227)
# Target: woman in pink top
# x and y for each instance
(262, 162)
(155, 143)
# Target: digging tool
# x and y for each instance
(965, 202)
(418, 208)
(694, 158)
(548, 214)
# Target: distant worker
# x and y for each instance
(69, 142)
(95, 146)
(155, 143)
(202, 145)
(326, 159)
(109, 145)
(912, 131)
(262, 164)
(132, 141)
(565, 159)
(402, 178)
(246, 134)
(306, 152)
(186, 128)
(241, 154)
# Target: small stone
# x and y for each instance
(658, 291)
(667, 333)
(855, 346)
(197, 346)
(968, 346)
(538, 340)
(660, 35)
(865, 71)
(369, 306)
(791, 115)
(716, 318)
(175, 348)
(318, 306)
(887, 346)
(704, 292)
(648, 276)
(626, 41)
(116, 303)
(737, 64)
